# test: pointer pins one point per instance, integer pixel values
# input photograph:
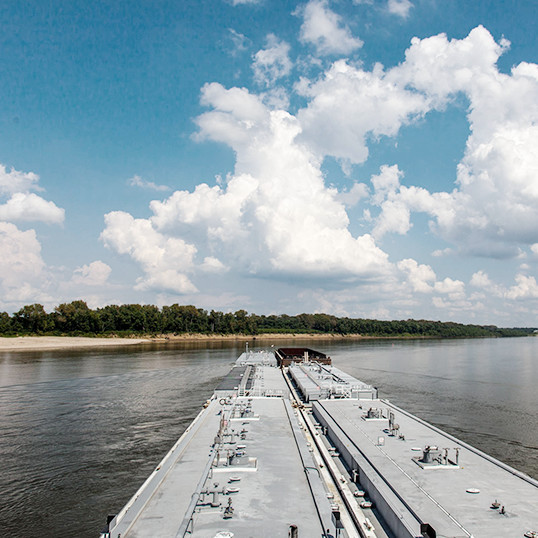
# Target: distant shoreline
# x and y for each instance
(38, 343)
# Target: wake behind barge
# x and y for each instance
(305, 450)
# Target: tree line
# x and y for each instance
(76, 318)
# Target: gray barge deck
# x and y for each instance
(247, 453)
(277, 452)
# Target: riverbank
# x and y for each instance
(37, 343)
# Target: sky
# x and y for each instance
(363, 158)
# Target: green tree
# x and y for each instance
(33, 319)
(5, 323)
(76, 317)
(109, 318)
(153, 322)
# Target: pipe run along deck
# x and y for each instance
(259, 461)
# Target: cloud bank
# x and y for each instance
(24, 276)
(276, 216)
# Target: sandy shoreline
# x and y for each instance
(36, 343)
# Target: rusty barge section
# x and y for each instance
(288, 355)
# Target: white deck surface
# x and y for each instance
(284, 487)
(271, 497)
(277, 494)
(435, 493)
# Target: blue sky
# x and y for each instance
(356, 157)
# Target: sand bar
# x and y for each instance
(36, 343)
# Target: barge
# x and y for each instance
(306, 450)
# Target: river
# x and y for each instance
(81, 430)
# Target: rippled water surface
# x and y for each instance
(81, 430)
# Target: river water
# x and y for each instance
(81, 430)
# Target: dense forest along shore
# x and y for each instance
(76, 319)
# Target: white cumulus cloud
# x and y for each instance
(399, 7)
(348, 105)
(525, 288)
(350, 197)
(289, 211)
(494, 206)
(22, 269)
(273, 62)
(15, 181)
(453, 288)
(20, 255)
(164, 260)
(480, 279)
(273, 216)
(31, 207)
(325, 29)
(24, 276)
(421, 277)
(94, 274)
(22, 204)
